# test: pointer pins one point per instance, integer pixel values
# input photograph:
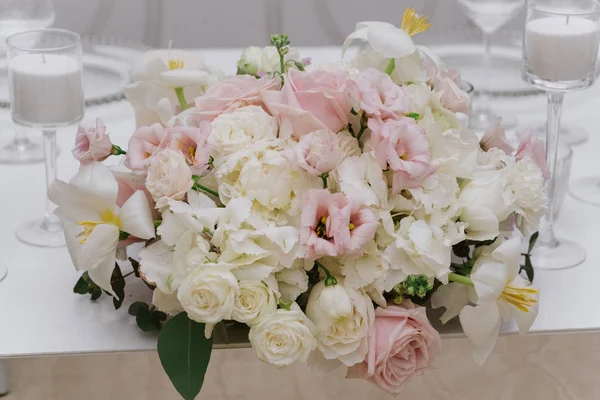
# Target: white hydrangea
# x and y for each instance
(526, 182)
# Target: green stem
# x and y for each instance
(390, 67)
(156, 223)
(182, 101)
(198, 186)
(465, 280)
(324, 178)
(360, 133)
(330, 279)
(281, 62)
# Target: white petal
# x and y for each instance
(171, 228)
(253, 272)
(482, 223)
(373, 24)
(136, 216)
(185, 77)
(73, 242)
(97, 255)
(96, 179)
(199, 200)
(390, 41)
(156, 264)
(292, 283)
(73, 204)
(166, 302)
(165, 110)
(453, 296)
(489, 278)
(482, 325)
(509, 252)
(358, 34)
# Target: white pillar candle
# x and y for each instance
(562, 48)
(46, 89)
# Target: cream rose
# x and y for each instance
(254, 302)
(169, 177)
(243, 127)
(341, 335)
(208, 294)
(284, 337)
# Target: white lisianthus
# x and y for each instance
(256, 60)
(335, 302)
(208, 295)
(343, 338)
(245, 126)
(419, 249)
(526, 181)
(169, 177)
(284, 337)
(255, 301)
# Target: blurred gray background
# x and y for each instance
(236, 23)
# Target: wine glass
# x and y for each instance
(556, 33)
(20, 16)
(489, 16)
(572, 135)
(46, 92)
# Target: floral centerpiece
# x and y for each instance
(323, 206)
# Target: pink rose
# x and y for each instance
(192, 143)
(401, 346)
(332, 226)
(143, 146)
(235, 92)
(534, 148)
(380, 96)
(312, 100)
(317, 153)
(453, 97)
(92, 144)
(401, 146)
(496, 138)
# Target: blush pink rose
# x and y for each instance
(192, 143)
(496, 138)
(401, 346)
(534, 148)
(453, 97)
(92, 143)
(332, 226)
(380, 96)
(145, 143)
(312, 100)
(401, 146)
(235, 92)
(317, 153)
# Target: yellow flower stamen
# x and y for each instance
(192, 152)
(413, 23)
(351, 226)
(321, 228)
(176, 64)
(520, 297)
(106, 217)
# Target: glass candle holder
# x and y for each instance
(46, 92)
(559, 55)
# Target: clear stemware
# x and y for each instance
(489, 16)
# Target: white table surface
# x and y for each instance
(40, 314)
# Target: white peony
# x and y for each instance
(169, 177)
(245, 126)
(526, 181)
(208, 295)
(256, 60)
(343, 338)
(419, 249)
(284, 337)
(255, 301)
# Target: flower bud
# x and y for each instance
(335, 302)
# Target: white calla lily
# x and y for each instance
(383, 37)
(93, 221)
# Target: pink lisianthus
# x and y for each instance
(534, 148)
(317, 153)
(453, 97)
(92, 143)
(143, 146)
(401, 146)
(312, 100)
(332, 226)
(232, 93)
(192, 143)
(379, 96)
(496, 138)
(401, 346)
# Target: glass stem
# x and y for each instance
(51, 221)
(21, 138)
(555, 101)
(483, 102)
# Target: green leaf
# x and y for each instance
(532, 241)
(146, 322)
(528, 268)
(81, 287)
(137, 307)
(184, 353)
(96, 292)
(117, 283)
(461, 249)
(159, 316)
(136, 266)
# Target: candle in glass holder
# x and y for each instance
(562, 48)
(46, 89)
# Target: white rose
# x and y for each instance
(254, 302)
(169, 177)
(526, 181)
(342, 338)
(284, 337)
(208, 294)
(243, 127)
